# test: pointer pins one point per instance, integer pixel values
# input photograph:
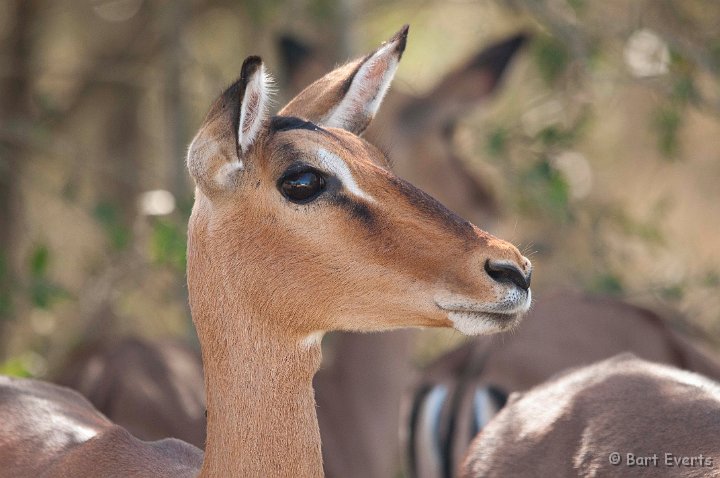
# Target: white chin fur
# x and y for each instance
(489, 319)
(474, 323)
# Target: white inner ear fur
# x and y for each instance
(254, 107)
(367, 90)
(334, 164)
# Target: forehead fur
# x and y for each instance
(288, 135)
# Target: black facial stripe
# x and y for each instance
(429, 207)
(356, 209)
(426, 205)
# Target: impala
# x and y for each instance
(361, 380)
(153, 388)
(298, 228)
(617, 418)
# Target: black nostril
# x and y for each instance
(503, 272)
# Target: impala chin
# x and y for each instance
(478, 318)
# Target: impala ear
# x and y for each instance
(254, 101)
(238, 114)
(349, 96)
(464, 88)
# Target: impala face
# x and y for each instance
(302, 224)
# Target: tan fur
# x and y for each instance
(322, 95)
(50, 431)
(569, 426)
(266, 275)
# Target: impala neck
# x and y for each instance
(261, 407)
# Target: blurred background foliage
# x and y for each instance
(603, 146)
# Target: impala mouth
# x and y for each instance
(500, 317)
(473, 318)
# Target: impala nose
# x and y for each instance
(505, 272)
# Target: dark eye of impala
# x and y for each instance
(301, 186)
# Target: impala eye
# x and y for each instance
(301, 186)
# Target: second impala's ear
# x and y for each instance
(349, 96)
(464, 88)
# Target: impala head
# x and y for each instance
(299, 225)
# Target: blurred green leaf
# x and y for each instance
(577, 5)
(545, 190)
(684, 90)
(558, 192)
(184, 206)
(15, 367)
(673, 293)
(714, 52)
(108, 216)
(678, 60)
(168, 244)
(552, 136)
(551, 57)
(44, 293)
(39, 260)
(6, 304)
(323, 9)
(105, 213)
(496, 143)
(607, 283)
(648, 229)
(711, 279)
(261, 10)
(667, 123)
(557, 136)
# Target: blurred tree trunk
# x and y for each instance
(122, 161)
(14, 116)
(346, 28)
(175, 112)
(123, 169)
(176, 128)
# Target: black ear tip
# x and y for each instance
(292, 49)
(249, 67)
(401, 38)
(519, 40)
(510, 45)
(497, 56)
